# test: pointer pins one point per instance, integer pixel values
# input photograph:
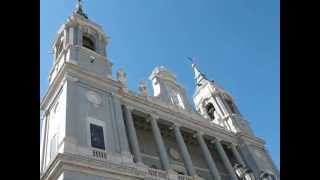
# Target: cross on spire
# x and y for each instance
(79, 9)
(194, 66)
(197, 74)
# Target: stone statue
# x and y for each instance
(143, 88)
(122, 78)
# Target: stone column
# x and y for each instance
(161, 147)
(124, 144)
(212, 166)
(184, 151)
(225, 160)
(132, 134)
(237, 155)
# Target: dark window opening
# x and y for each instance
(210, 110)
(87, 43)
(97, 138)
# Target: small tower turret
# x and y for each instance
(216, 104)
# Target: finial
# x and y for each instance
(192, 61)
(194, 66)
(197, 74)
(143, 88)
(79, 9)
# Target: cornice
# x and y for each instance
(99, 80)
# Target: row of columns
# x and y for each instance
(182, 148)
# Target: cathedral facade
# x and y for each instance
(95, 128)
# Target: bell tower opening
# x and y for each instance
(87, 42)
(210, 111)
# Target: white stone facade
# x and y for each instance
(140, 136)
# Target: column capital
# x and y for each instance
(129, 107)
(215, 140)
(178, 125)
(154, 115)
(232, 144)
(198, 134)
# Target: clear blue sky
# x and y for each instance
(236, 43)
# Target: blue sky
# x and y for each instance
(235, 42)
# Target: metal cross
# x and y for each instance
(191, 59)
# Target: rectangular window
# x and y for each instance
(97, 137)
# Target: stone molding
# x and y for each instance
(85, 164)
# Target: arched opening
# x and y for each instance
(210, 110)
(88, 43)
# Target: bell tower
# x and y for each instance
(217, 105)
(82, 111)
(82, 43)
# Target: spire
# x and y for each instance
(79, 9)
(197, 74)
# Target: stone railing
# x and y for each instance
(100, 154)
(157, 173)
(184, 177)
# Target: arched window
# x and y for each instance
(210, 110)
(88, 43)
